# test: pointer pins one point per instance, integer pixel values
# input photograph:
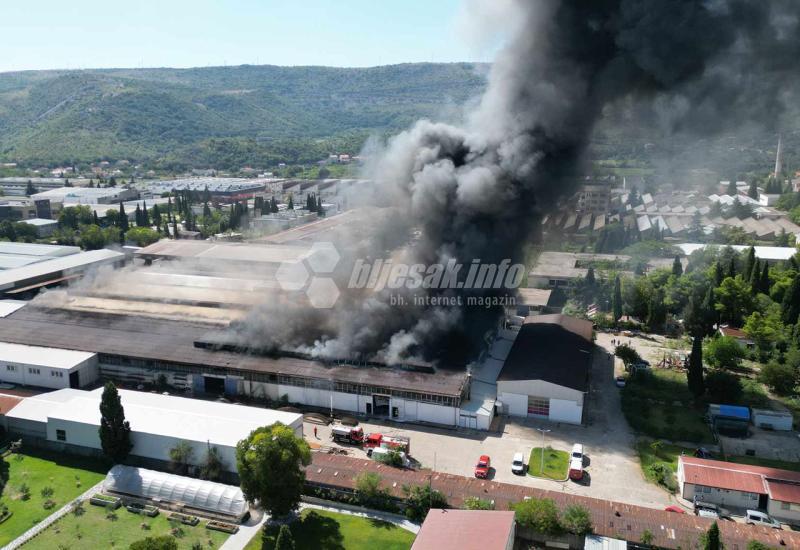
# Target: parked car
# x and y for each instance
(676, 509)
(707, 510)
(754, 517)
(702, 452)
(620, 381)
(576, 462)
(483, 466)
(518, 464)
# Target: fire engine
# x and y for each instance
(396, 443)
(347, 434)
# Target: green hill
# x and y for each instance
(206, 115)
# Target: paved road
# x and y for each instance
(613, 469)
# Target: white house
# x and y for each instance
(546, 373)
(71, 418)
(46, 367)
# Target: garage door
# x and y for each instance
(468, 421)
(538, 407)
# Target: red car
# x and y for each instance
(482, 468)
(676, 509)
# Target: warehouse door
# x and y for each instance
(380, 405)
(214, 385)
(74, 380)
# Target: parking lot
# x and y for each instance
(612, 469)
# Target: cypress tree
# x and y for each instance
(137, 216)
(790, 308)
(763, 285)
(732, 191)
(290, 205)
(616, 300)
(285, 540)
(174, 228)
(753, 191)
(719, 274)
(749, 263)
(590, 279)
(319, 206)
(677, 267)
(95, 219)
(145, 215)
(732, 268)
(711, 539)
(156, 215)
(694, 374)
(123, 218)
(709, 311)
(755, 278)
(115, 431)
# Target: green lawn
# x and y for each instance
(555, 463)
(323, 530)
(68, 476)
(93, 529)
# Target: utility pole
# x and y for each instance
(543, 431)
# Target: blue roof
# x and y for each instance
(734, 412)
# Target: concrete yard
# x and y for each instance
(612, 467)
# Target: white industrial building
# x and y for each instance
(87, 195)
(46, 367)
(70, 419)
(546, 373)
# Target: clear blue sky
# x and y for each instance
(47, 34)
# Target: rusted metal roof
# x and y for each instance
(732, 476)
(612, 519)
(783, 491)
(8, 402)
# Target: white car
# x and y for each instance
(518, 464)
(706, 510)
(754, 517)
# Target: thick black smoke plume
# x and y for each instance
(477, 190)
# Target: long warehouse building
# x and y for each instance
(136, 350)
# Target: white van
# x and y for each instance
(518, 464)
(754, 517)
(381, 454)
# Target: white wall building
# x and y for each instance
(546, 373)
(158, 422)
(46, 367)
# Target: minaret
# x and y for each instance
(779, 158)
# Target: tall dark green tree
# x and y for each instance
(763, 283)
(719, 273)
(711, 539)
(749, 263)
(590, 278)
(616, 299)
(790, 308)
(752, 192)
(285, 540)
(677, 267)
(123, 218)
(320, 210)
(656, 311)
(732, 268)
(290, 204)
(732, 191)
(137, 217)
(694, 374)
(115, 431)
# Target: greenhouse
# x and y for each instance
(173, 491)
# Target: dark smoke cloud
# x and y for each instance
(477, 190)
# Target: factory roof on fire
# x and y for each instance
(173, 341)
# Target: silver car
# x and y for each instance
(518, 464)
(754, 517)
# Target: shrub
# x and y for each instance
(475, 503)
(576, 520)
(662, 474)
(155, 543)
(49, 504)
(24, 492)
(46, 492)
(780, 378)
(77, 508)
(723, 387)
(420, 499)
(539, 514)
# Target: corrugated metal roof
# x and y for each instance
(53, 358)
(465, 530)
(783, 492)
(66, 265)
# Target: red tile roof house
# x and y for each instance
(738, 334)
(466, 530)
(741, 486)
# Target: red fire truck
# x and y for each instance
(396, 442)
(347, 434)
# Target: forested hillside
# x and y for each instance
(219, 114)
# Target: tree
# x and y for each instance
(142, 236)
(369, 492)
(92, 237)
(694, 373)
(115, 431)
(724, 353)
(213, 465)
(732, 190)
(790, 307)
(734, 300)
(710, 540)
(285, 540)
(779, 377)
(723, 387)
(268, 449)
(475, 503)
(677, 267)
(628, 354)
(420, 499)
(577, 520)
(758, 545)
(732, 267)
(752, 192)
(590, 278)
(123, 217)
(616, 299)
(180, 457)
(539, 514)
(165, 542)
(763, 283)
(749, 263)
(30, 189)
(656, 311)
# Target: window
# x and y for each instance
(11, 368)
(57, 373)
(786, 506)
(538, 406)
(32, 370)
(61, 435)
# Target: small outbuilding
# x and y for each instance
(773, 420)
(729, 420)
(466, 530)
(185, 494)
(46, 367)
